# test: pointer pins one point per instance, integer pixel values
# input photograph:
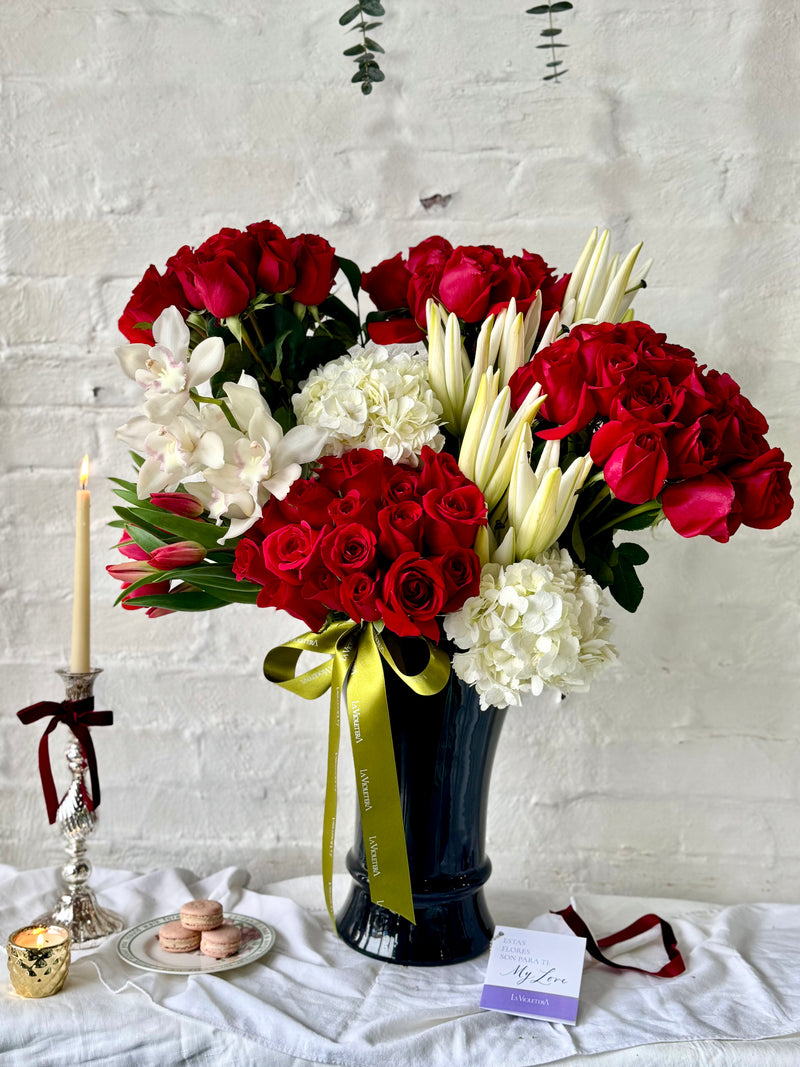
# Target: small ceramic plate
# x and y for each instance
(140, 947)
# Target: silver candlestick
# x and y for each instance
(77, 909)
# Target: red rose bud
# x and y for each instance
(181, 554)
(316, 266)
(461, 571)
(432, 252)
(152, 295)
(704, 505)
(634, 459)
(466, 283)
(387, 284)
(178, 504)
(358, 594)
(452, 517)
(222, 287)
(763, 491)
(400, 528)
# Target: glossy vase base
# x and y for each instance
(447, 930)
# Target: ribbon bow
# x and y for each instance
(354, 667)
(78, 715)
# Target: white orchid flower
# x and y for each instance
(165, 370)
(193, 441)
(261, 461)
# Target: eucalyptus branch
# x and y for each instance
(369, 72)
(550, 33)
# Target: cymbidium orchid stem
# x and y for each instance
(220, 404)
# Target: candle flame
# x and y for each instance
(40, 940)
(84, 474)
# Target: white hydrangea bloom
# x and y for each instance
(369, 399)
(533, 623)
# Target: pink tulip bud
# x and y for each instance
(181, 554)
(129, 548)
(156, 613)
(178, 503)
(130, 572)
(152, 589)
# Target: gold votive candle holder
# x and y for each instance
(38, 959)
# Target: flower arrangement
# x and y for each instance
(455, 469)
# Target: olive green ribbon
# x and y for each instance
(354, 668)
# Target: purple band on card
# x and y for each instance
(529, 1002)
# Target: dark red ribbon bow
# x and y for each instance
(646, 922)
(78, 715)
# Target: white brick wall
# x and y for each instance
(132, 128)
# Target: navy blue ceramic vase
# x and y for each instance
(444, 747)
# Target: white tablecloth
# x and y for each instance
(314, 1000)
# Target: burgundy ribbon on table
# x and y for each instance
(78, 715)
(646, 922)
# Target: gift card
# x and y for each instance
(534, 973)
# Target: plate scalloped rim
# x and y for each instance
(128, 951)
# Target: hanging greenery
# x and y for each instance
(363, 53)
(550, 33)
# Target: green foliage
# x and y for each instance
(550, 32)
(363, 54)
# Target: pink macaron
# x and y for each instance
(174, 937)
(201, 914)
(221, 942)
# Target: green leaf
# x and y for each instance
(633, 553)
(234, 324)
(189, 601)
(155, 521)
(370, 26)
(555, 63)
(350, 14)
(540, 9)
(553, 31)
(639, 522)
(557, 74)
(372, 7)
(626, 588)
(130, 518)
(373, 45)
(356, 50)
(146, 540)
(366, 88)
(553, 44)
(352, 272)
(577, 541)
(560, 5)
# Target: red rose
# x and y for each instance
(564, 375)
(400, 528)
(360, 468)
(634, 459)
(439, 470)
(432, 252)
(452, 517)
(349, 548)
(424, 286)
(222, 287)
(523, 277)
(151, 296)
(307, 500)
(647, 397)
(353, 507)
(461, 571)
(387, 284)
(249, 562)
(743, 425)
(290, 550)
(182, 265)
(276, 272)
(704, 505)
(413, 595)
(358, 594)
(316, 266)
(280, 594)
(241, 248)
(466, 283)
(694, 449)
(400, 483)
(395, 332)
(763, 490)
